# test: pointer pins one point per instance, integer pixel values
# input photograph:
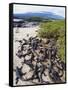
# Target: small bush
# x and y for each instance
(56, 30)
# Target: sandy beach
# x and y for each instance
(19, 34)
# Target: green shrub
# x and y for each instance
(51, 29)
(61, 47)
(56, 30)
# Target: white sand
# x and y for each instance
(19, 34)
(22, 32)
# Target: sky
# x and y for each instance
(29, 8)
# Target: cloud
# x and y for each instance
(30, 8)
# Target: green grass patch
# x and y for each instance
(56, 30)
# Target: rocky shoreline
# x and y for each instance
(38, 62)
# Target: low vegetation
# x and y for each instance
(56, 30)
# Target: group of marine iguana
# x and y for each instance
(41, 54)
